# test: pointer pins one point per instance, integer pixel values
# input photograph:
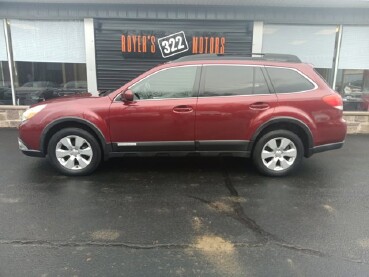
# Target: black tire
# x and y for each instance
(94, 161)
(261, 143)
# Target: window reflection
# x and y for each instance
(354, 88)
(353, 74)
(5, 90)
(175, 82)
(50, 59)
(36, 82)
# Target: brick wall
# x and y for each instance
(10, 116)
(357, 122)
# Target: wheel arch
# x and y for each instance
(285, 123)
(73, 122)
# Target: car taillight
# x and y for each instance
(334, 100)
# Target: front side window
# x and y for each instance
(178, 82)
(287, 80)
(228, 80)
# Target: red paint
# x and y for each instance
(189, 119)
(152, 120)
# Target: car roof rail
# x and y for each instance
(254, 57)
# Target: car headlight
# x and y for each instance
(32, 112)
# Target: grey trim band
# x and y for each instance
(326, 147)
(244, 154)
(202, 145)
(222, 145)
(33, 153)
(154, 146)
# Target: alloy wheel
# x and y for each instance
(279, 154)
(74, 152)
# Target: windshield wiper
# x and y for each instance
(105, 92)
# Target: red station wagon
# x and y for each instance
(274, 109)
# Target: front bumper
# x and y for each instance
(28, 152)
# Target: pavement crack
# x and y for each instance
(237, 212)
(264, 236)
(242, 217)
(48, 243)
(307, 251)
(228, 183)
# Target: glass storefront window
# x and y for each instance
(353, 68)
(49, 58)
(312, 44)
(5, 90)
(38, 81)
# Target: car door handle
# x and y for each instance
(182, 109)
(259, 106)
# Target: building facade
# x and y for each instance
(53, 49)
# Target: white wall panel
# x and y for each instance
(312, 44)
(3, 56)
(354, 48)
(48, 41)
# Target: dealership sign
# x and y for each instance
(156, 45)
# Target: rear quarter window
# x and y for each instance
(286, 80)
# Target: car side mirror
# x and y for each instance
(128, 96)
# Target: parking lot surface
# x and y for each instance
(185, 217)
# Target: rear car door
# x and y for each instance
(232, 97)
(162, 115)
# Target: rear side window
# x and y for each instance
(228, 80)
(287, 80)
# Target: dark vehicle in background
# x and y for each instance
(72, 88)
(274, 109)
(5, 97)
(38, 91)
(34, 92)
(354, 96)
(353, 87)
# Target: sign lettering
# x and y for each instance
(163, 45)
(173, 44)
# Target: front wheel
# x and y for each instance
(278, 153)
(74, 152)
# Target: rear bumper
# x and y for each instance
(325, 147)
(29, 152)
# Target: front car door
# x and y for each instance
(162, 115)
(232, 98)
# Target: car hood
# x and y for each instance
(67, 98)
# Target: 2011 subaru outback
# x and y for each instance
(274, 109)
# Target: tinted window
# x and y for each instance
(260, 86)
(175, 82)
(287, 80)
(225, 80)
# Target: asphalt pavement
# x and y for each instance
(185, 217)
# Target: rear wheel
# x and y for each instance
(74, 152)
(278, 153)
